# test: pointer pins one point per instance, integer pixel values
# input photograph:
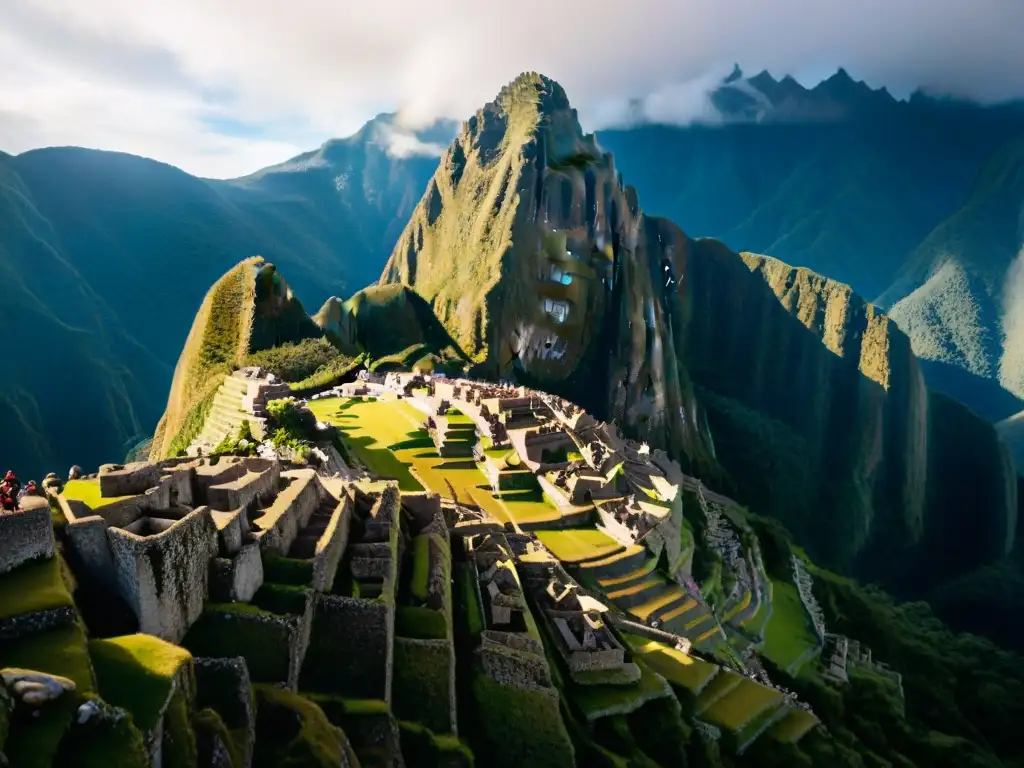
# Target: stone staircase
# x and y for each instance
(304, 546)
(238, 399)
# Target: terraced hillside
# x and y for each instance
(250, 308)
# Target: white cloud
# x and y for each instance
(154, 77)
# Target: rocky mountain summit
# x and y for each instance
(544, 268)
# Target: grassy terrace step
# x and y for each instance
(645, 569)
(587, 547)
(678, 611)
(712, 636)
(670, 596)
(616, 563)
(637, 589)
(721, 684)
(741, 704)
(680, 669)
(760, 723)
(793, 726)
(41, 585)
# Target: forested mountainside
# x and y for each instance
(106, 258)
(545, 269)
(916, 204)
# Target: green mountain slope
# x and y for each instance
(876, 193)
(546, 270)
(956, 296)
(250, 308)
(106, 256)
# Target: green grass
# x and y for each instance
(421, 747)
(40, 585)
(33, 741)
(420, 622)
(470, 611)
(743, 703)
(578, 544)
(239, 629)
(678, 668)
(332, 373)
(418, 584)
(596, 701)
(87, 491)
(421, 683)
(278, 569)
(518, 727)
(217, 342)
(137, 672)
(789, 633)
(790, 728)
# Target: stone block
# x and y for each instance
(350, 648)
(128, 480)
(163, 575)
(26, 534)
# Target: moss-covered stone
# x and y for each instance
(293, 732)
(516, 726)
(423, 683)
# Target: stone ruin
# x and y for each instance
(169, 536)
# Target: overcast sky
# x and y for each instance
(224, 87)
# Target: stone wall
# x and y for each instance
(236, 579)
(281, 522)
(88, 537)
(257, 483)
(350, 648)
(129, 479)
(163, 576)
(331, 546)
(26, 534)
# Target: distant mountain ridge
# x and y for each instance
(914, 202)
(90, 238)
(106, 257)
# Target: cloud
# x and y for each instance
(1011, 366)
(403, 142)
(169, 80)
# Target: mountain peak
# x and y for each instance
(735, 75)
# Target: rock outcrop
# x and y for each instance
(544, 269)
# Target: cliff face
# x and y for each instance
(544, 269)
(851, 449)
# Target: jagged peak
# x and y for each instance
(764, 78)
(736, 74)
(541, 89)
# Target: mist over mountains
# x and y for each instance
(914, 203)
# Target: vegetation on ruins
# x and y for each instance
(249, 309)
(297, 361)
